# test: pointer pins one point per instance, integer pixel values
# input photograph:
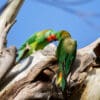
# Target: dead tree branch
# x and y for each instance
(34, 81)
(7, 19)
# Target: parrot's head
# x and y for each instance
(51, 35)
(62, 34)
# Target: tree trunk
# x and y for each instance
(7, 19)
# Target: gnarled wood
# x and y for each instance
(7, 19)
(35, 81)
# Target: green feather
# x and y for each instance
(35, 42)
(38, 36)
(66, 53)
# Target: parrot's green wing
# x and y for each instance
(35, 37)
(29, 41)
(71, 57)
(61, 55)
(66, 52)
(35, 42)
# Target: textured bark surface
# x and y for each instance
(7, 55)
(32, 79)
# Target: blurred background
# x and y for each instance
(80, 17)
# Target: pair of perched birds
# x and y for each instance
(66, 51)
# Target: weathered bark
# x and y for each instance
(38, 63)
(7, 19)
(34, 79)
(9, 14)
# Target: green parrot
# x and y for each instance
(66, 53)
(37, 41)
